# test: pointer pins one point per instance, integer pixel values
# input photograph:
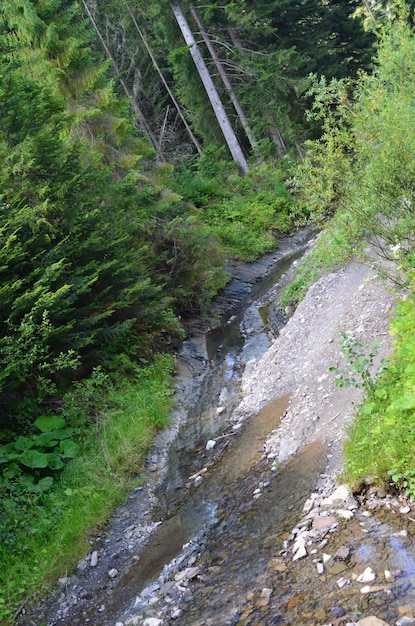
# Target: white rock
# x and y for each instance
(198, 480)
(153, 621)
(345, 514)
(266, 593)
(326, 557)
(94, 559)
(340, 494)
(404, 510)
(368, 576)
(220, 410)
(301, 553)
(320, 568)
(113, 573)
(210, 444)
(342, 582)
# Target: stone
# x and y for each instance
(342, 582)
(94, 559)
(406, 610)
(210, 444)
(324, 522)
(404, 510)
(405, 621)
(345, 514)
(368, 576)
(340, 494)
(371, 621)
(301, 553)
(113, 573)
(153, 621)
(337, 611)
(320, 568)
(176, 613)
(342, 554)
(266, 593)
(288, 447)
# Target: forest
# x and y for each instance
(143, 145)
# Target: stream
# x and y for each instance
(207, 540)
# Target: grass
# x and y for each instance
(380, 445)
(52, 530)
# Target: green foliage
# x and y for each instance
(359, 359)
(382, 436)
(44, 532)
(362, 166)
(244, 214)
(28, 463)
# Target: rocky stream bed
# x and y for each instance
(242, 519)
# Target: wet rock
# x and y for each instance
(113, 572)
(342, 554)
(337, 611)
(368, 576)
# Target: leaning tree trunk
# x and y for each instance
(225, 79)
(223, 120)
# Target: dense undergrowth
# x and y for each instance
(44, 532)
(359, 179)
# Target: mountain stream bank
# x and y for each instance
(241, 521)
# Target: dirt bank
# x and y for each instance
(349, 300)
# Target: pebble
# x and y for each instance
(368, 576)
(113, 573)
(153, 621)
(94, 559)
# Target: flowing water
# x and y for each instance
(226, 510)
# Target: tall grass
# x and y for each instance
(55, 526)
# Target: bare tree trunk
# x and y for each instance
(176, 104)
(141, 120)
(228, 133)
(226, 82)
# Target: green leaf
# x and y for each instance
(34, 459)
(405, 402)
(54, 461)
(44, 484)
(367, 409)
(70, 449)
(23, 443)
(47, 423)
(47, 439)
